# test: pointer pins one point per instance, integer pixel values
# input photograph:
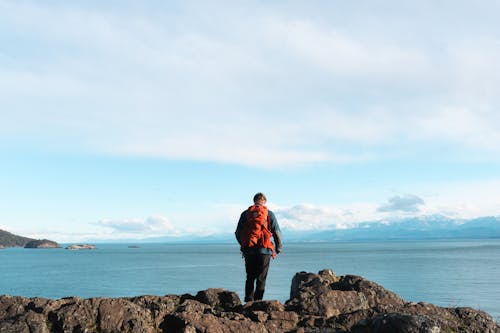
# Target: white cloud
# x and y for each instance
(407, 203)
(155, 225)
(455, 200)
(304, 217)
(475, 128)
(169, 84)
(463, 199)
(340, 54)
(314, 217)
(107, 229)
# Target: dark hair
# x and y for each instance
(258, 197)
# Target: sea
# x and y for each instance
(447, 273)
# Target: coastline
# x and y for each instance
(445, 273)
(318, 302)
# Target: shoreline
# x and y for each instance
(321, 301)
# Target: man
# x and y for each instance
(255, 227)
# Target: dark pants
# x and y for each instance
(256, 266)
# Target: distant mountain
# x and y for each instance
(413, 228)
(426, 227)
(10, 240)
(213, 238)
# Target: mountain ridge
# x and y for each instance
(8, 239)
(409, 228)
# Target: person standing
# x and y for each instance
(255, 227)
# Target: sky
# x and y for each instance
(125, 119)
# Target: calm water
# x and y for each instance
(446, 273)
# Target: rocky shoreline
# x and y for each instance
(320, 302)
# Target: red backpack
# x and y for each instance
(256, 232)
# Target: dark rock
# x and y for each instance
(282, 321)
(397, 323)
(70, 314)
(265, 306)
(198, 322)
(272, 314)
(192, 306)
(319, 302)
(471, 320)
(375, 294)
(258, 316)
(219, 299)
(158, 306)
(325, 294)
(121, 315)
(10, 326)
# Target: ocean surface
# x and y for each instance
(446, 273)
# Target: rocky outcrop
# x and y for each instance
(10, 240)
(80, 247)
(41, 244)
(319, 302)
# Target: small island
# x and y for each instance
(81, 247)
(41, 244)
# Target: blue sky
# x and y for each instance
(132, 119)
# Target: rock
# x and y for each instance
(327, 295)
(80, 247)
(41, 244)
(121, 315)
(319, 302)
(158, 306)
(68, 314)
(219, 299)
(397, 323)
(265, 306)
(198, 322)
(375, 294)
(282, 321)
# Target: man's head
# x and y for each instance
(259, 199)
